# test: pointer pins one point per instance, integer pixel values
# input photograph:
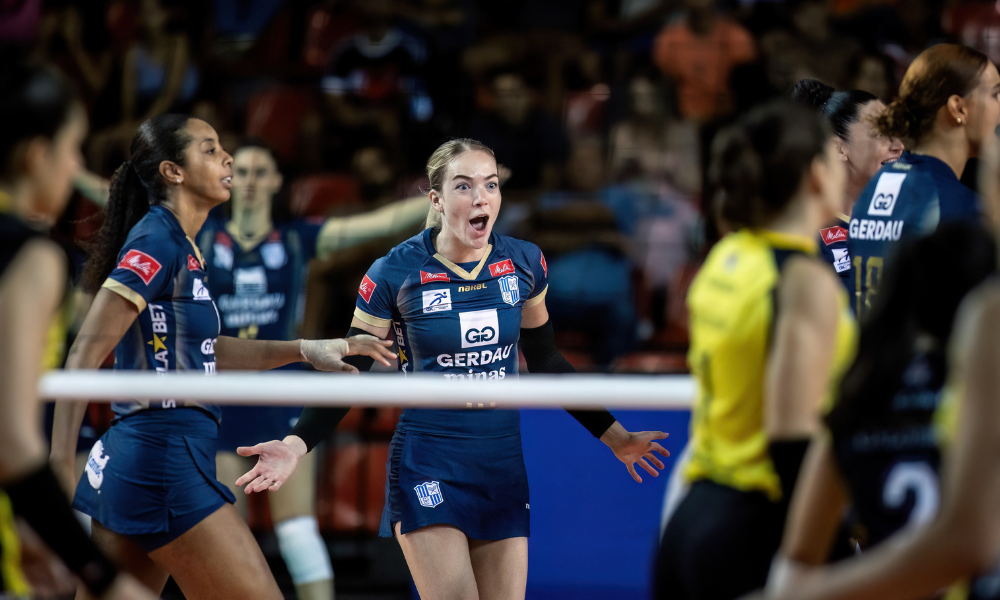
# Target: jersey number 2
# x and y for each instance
(917, 477)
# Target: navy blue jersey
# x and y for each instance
(161, 271)
(907, 198)
(891, 466)
(462, 321)
(833, 248)
(260, 290)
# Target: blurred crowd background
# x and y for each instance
(601, 113)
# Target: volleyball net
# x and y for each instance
(577, 391)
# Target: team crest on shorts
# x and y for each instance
(95, 465)
(429, 494)
(508, 289)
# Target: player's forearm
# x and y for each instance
(66, 424)
(938, 557)
(255, 355)
(346, 232)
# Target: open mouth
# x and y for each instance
(227, 182)
(890, 161)
(479, 223)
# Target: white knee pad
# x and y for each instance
(304, 551)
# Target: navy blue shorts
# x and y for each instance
(477, 484)
(151, 477)
(251, 425)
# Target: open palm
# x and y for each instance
(639, 448)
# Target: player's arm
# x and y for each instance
(341, 233)
(110, 316)
(277, 459)
(800, 363)
(325, 355)
(813, 518)
(538, 344)
(29, 299)
(963, 538)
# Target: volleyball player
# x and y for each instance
(959, 546)
(861, 148)
(948, 103)
(44, 125)
(257, 271)
(879, 454)
(458, 299)
(771, 333)
(150, 484)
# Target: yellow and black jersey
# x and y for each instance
(732, 308)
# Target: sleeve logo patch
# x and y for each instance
(366, 289)
(886, 194)
(545, 267)
(832, 235)
(426, 277)
(193, 264)
(140, 263)
(501, 268)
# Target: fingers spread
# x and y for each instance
(652, 458)
(631, 470)
(649, 469)
(248, 476)
(660, 449)
(658, 435)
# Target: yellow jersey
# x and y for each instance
(731, 306)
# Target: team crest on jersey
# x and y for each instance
(426, 277)
(199, 291)
(140, 263)
(832, 235)
(508, 289)
(366, 289)
(95, 465)
(841, 260)
(193, 264)
(501, 268)
(429, 493)
(274, 255)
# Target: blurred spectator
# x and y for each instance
(159, 74)
(19, 21)
(590, 275)
(873, 74)
(649, 143)
(698, 52)
(79, 44)
(377, 177)
(526, 140)
(374, 82)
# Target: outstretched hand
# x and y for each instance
(276, 464)
(327, 355)
(639, 447)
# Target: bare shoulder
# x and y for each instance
(809, 284)
(38, 270)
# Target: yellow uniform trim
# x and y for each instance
(467, 275)
(125, 292)
(197, 252)
(10, 553)
(371, 319)
(246, 244)
(844, 217)
(537, 299)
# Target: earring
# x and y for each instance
(960, 120)
(178, 181)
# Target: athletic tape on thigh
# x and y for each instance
(304, 551)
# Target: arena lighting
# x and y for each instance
(669, 392)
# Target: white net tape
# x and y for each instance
(668, 392)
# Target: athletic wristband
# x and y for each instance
(787, 456)
(41, 502)
(317, 422)
(542, 356)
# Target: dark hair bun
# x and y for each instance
(812, 92)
